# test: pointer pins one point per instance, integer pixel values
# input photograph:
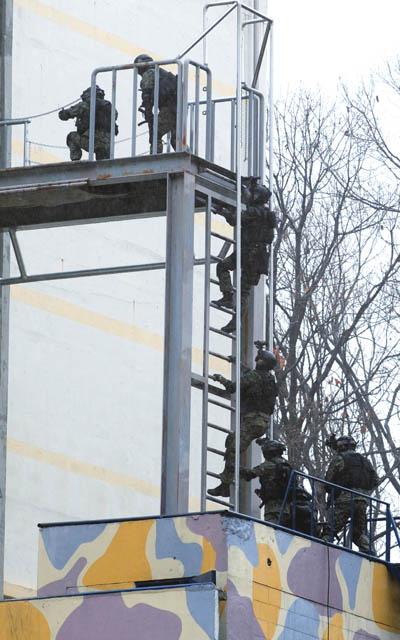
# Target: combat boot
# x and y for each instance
(226, 301)
(222, 490)
(230, 327)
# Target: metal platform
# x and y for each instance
(70, 193)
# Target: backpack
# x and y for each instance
(358, 472)
(168, 89)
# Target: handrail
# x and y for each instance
(380, 506)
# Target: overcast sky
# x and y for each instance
(317, 42)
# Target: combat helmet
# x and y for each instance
(99, 93)
(255, 192)
(346, 442)
(265, 360)
(269, 447)
(143, 57)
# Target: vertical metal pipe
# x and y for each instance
(209, 117)
(185, 84)
(191, 127)
(233, 134)
(180, 106)
(370, 527)
(197, 111)
(134, 111)
(205, 37)
(178, 344)
(270, 180)
(6, 34)
(256, 137)
(155, 108)
(25, 143)
(206, 349)
(112, 123)
(250, 133)
(212, 134)
(92, 114)
(388, 534)
(238, 245)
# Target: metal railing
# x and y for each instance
(15, 122)
(316, 517)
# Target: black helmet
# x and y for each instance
(253, 192)
(143, 57)
(345, 442)
(99, 93)
(271, 446)
(265, 360)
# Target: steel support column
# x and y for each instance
(178, 344)
(6, 22)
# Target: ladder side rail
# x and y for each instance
(238, 292)
(156, 100)
(206, 349)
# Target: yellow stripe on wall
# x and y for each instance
(72, 465)
(93, 32)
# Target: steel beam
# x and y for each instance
(178, 344)
(6, 26)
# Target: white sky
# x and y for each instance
(317, 42)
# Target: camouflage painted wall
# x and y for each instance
(164, 614)
(279, 586)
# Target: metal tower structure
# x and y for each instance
(174, 185)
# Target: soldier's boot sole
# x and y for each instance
(226, 301)
(222, 490)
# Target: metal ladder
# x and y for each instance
(212, 395)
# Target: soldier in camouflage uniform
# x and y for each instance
(79, 139)
(274, 474)
(353, 471)
(258, 224)
(167, 101)
(258, 391)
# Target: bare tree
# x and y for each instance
(336, 265)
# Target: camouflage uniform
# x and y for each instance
(166, 108)
(258, 391)
(274, 474)
(79, 139)
(258, 224)
(352, 470)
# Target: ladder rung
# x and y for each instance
(222, 333)
(229, 359)
(221, 404)
(216, 451)
(218, 428)
(216, 258)
(218, 235)
(223, 309)
(218, 501)
(213, 475)
(214, 281)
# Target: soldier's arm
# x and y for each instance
(248, 474)
(72, 112)
(228, 384)
(335, 467)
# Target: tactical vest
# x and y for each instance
(261, 395)
(259, 229)
(168, 89)
(103, 117)
(357, 472)
(274, 482)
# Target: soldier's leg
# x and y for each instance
(360, 535)
(74, 144)
(227, 474)
(225, 282)
(273, 513)
(102, 146)
(337, 518)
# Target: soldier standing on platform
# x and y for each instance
(352, 471)
(258, 391)
(79, 139)
(274, 475)
(258, 224)
(167, 101)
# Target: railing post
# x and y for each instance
(388, 533)
(92, 114)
